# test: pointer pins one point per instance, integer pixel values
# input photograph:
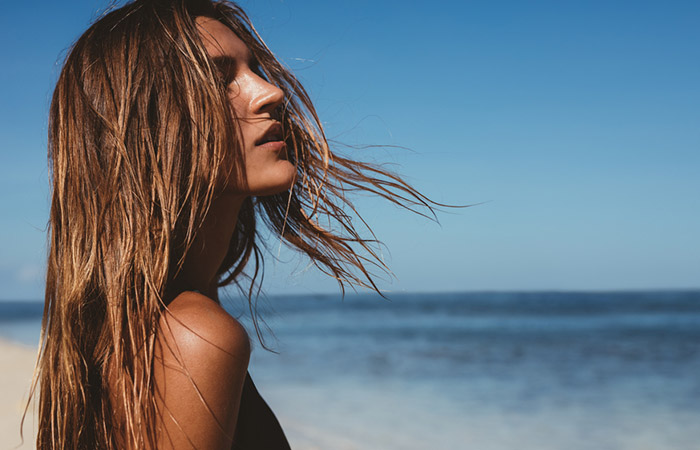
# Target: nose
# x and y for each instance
(268, 97)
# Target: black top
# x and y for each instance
(257, 427)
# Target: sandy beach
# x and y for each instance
(16, 365)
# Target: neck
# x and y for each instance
(209, 248)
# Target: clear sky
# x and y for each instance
(575, 124)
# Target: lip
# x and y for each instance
(275, 146)
(273, 136)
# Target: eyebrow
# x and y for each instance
(228, 62)
(225, 62)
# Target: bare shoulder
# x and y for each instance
(197, 323)
(200, 365)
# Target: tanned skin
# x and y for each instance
(201, 361)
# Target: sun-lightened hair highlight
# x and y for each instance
(140, 141)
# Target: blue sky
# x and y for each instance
(575, 124)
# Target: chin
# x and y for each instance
(277, 181)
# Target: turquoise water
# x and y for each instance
(477, 370)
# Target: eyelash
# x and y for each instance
(228, 74)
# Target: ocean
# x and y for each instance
(547, 370)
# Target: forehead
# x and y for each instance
(219, 40)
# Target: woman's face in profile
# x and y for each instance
(254, 101)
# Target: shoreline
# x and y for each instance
(533, 372)
(17, 366)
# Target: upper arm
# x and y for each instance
(200, 364)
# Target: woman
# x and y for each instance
(173, 132)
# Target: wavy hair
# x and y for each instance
(140, 137)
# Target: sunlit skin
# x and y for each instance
(197, 333)
(255, 102)
(267, 170)
(168, 153)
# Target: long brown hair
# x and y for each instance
(139, 139)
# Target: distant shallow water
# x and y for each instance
(477, 370)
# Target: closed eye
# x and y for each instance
(227, 67)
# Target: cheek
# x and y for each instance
(238, 108)
(234, 164)
(231, 175)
